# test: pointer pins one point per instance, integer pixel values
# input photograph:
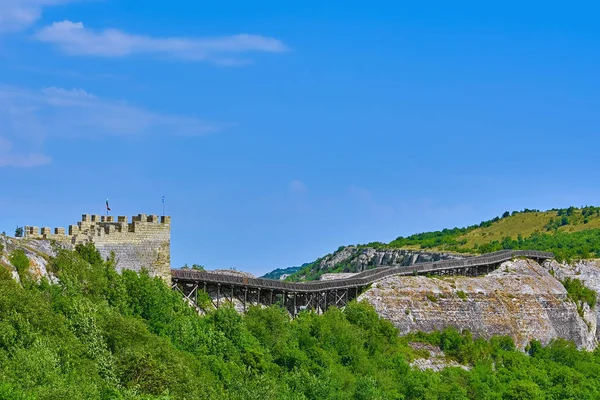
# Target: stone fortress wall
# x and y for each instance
(145, 242)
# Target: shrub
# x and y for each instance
(21, 263)
(432, 297)
(579, 293)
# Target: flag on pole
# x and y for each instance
(107, 207)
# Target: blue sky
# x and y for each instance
(278, 132)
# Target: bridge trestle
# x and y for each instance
(243, 292)
(244, 297)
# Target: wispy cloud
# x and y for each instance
(16, 15)
(74, 38)
(28, 118)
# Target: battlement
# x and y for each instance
(140, 242)
(101, 225)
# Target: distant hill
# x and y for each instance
(571, 233)
(276, 274)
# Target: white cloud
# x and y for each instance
(75, 38)
(16, 15)
(28, 118)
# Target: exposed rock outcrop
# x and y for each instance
(520, 299)
(233, 272)
(333, 277)
(436, 359)
(354, 259)
(361, 258)
(37, 251)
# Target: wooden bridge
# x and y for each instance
(319, 295)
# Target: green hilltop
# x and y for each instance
(570, 233)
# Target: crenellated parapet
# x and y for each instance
(97, 225)
(140, 242)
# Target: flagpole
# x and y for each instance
(163, 204)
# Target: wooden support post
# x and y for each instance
(318, 302)
(258, 297)
(232, 289)
(271, 303)
(218, 293)
(295, 309)
(245, 298)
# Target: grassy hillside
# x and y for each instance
(569, 233)
(101, 335)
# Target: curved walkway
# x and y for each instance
(490, 260)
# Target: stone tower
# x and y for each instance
(145, 242)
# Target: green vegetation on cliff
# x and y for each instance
(100, 335)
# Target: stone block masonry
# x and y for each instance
(145, 242)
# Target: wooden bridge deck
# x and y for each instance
(319, 295)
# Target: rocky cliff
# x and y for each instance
(357, 258)
(521, 299)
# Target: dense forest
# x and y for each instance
(97, 334)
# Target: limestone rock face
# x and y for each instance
(520, 299)
(588, 272)
(333, 277)
(362, 258)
